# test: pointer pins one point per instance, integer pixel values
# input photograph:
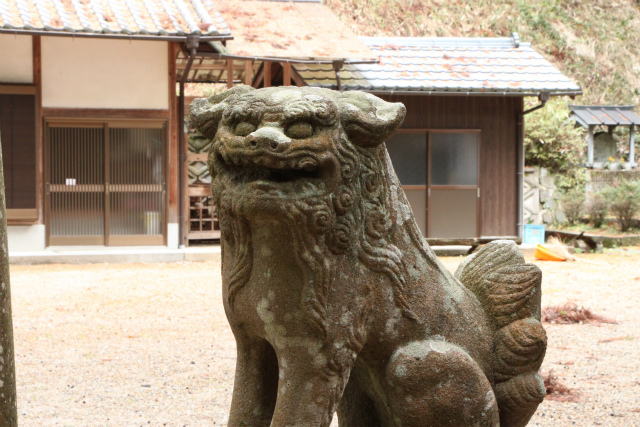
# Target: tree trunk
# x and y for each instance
(8, 410)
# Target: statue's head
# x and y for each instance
(278, 145)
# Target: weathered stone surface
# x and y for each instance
(605, 147)
(8, 408)
(334, 297)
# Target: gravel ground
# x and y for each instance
(148, 344)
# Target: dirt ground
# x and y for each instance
(148, 344)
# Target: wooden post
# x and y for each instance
(172, 214)
(286, 74)
(37, 81)
(8, 409)
(248, 72)
(229, 72)
(632, 147)
(590, 146)
(266, 74)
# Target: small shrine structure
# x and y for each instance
(609, 116)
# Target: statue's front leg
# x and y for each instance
(311, 384)
(255, 385)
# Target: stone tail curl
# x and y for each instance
(509, 290)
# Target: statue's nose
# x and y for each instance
(268, 138)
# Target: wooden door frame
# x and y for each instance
(63, 240)
(427, 132)
(83, 119)
(477, 187)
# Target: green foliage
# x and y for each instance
(552, 141)
(595, 42)
(624, 202)
(597, 208)
(572, 203)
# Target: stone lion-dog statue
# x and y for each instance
(336, 301)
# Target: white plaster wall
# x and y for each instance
(173, 235)
(16, 59)
(98, 73)
(26, 238)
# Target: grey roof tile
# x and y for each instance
(486, 65)
(160, 18)
(608, 115)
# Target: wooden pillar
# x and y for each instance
(632, 147)
(37, 81)
(286, 74)
(590, 146)
(173, 192)
(266, 74)
(229, 72)
(8, 409)
(248, 72)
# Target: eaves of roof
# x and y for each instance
(452, 66)
(130, 19)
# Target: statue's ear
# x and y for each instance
(367, 119)
(206, 113)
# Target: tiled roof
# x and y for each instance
(297, 30)
(114, 18)
(474, 65)
(608, 115)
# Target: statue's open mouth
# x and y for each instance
(270, 175)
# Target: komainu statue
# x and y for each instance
(336, 301)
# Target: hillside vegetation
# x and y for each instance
(596, 42)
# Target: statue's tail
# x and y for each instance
(509, 289)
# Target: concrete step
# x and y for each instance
(114, 255)
(451, 250)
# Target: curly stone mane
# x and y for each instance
(353, 219)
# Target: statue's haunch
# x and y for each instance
(335, 299)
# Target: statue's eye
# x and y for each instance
(299, 130)
(244, 128)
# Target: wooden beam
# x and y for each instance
(104, 113)
(20, 89)
(632, 147)
(194, 72)
(229, 72)
(266, 81)
(590, 146)
(299, 81)
(183, 198)
(286, 74)
(197, 157)
(248, 72)
(22, 216)
(222, 66)
(258, 77)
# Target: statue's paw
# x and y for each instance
(518, 398)
(436, 383)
